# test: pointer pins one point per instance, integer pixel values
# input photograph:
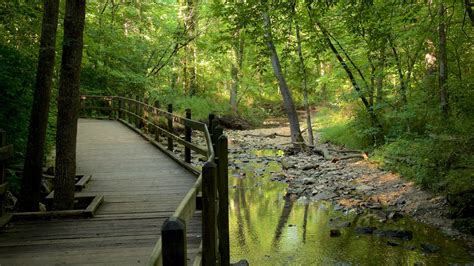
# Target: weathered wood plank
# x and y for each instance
(141, 187)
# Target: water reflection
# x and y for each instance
(269, 227)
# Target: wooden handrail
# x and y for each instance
(170, 249)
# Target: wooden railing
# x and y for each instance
(158, 125)
(6, 152)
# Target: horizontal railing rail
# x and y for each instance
(156, 125)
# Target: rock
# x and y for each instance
(394, 215)
(393, 243)
(287, 164)
(334, 233)
(429, 248)
(241, 263)
(308, 181)
(324, 196)
(310, 166)
(338, 223)
(364, 188)
(402, 234)
(365, 230)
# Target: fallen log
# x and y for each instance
(363, 156)
(273, 135)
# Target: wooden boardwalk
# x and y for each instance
(141, 187)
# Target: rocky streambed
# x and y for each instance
(358, 201)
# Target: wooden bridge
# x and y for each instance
(157, 209)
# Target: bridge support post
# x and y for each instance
(209, 215)
(187, 137)
(173, 239)
(223, 193)
(170, 127)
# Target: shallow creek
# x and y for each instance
(270, 227)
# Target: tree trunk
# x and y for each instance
(379, 79)
(190, 22)
(305, 87)
(68, 104)
(33, 167)
(236, 69)
(285, 91)
(443, 62)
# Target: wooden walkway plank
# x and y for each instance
(141, 187)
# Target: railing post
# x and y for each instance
(120, 106)
(156, 121)
(223, 192)
(111, 108)
(209, 224)
(173, 239)
(129, 109)
(211, 121)
(170, 126)
(82, 109)
(187, 137)
(144, 115)
(137, 112)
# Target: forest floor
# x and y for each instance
(352, 185)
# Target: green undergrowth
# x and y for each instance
(441, 161)
(337, 126)
(202, 106)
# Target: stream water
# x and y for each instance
(269, 227)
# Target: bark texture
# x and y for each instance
(68, 104)
(33, 166)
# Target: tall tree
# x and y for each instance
(236, 69)
(68, 104)
(295, 131)
(443, 61)
(305, 85)
(33, 166)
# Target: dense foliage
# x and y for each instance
(372, 69)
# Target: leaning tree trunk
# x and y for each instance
(377, 137)
(305, 87)
(33, 167)
(68, 104)
(285, 91)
